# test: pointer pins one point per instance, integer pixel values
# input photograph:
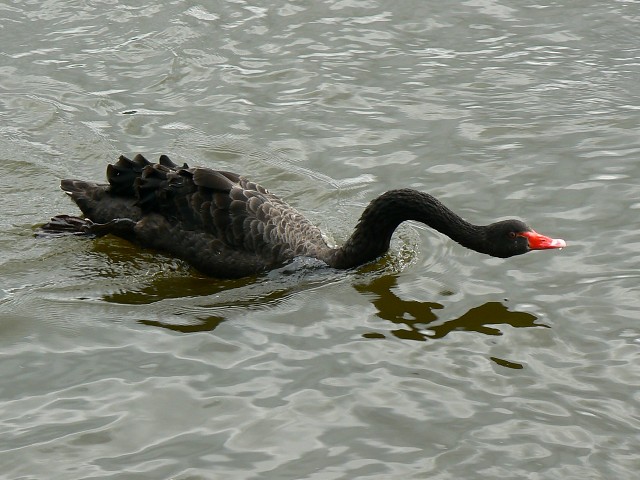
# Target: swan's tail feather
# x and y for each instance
(153, 185)
(122, 175)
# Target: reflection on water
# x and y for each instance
(211, 302)
(184, 283)
(415, 318)
(206, 324)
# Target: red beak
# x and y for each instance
(540, 242)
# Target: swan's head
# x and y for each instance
(512, 237)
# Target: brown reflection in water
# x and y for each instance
(245, 300)
(206, 324)
(173, 285)
(414, 318)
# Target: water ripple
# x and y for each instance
(432, 362)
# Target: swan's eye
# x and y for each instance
(512, 235)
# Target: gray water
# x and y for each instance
(433, 362)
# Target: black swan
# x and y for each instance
(228, 227)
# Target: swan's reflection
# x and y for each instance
(413, 320)
(417, 320)
(204, 324)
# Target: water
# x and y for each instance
(433, 362)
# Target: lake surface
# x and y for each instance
(432, 363)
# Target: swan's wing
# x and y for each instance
(219, 221)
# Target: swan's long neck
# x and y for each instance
(382, 216)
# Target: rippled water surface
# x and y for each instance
(432, 363)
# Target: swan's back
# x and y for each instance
(220, 222)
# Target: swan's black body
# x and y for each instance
(227, 226)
